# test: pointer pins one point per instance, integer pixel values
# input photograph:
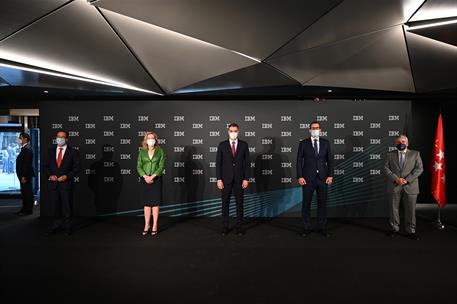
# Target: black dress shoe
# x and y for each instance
(306, 233)
(225, 231)
(392, 233)
(413, 236)
(239, 232)
(324, 233)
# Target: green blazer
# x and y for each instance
(146, 166)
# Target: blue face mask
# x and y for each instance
(60, 141)
(401, 147)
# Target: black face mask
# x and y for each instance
(401, 147)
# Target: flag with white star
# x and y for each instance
(438, 169)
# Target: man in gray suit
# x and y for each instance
(403, 168)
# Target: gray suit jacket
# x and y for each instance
(410, 171)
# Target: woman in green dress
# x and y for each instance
(150, 166)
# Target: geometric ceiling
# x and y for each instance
(167, 47)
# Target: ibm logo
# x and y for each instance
(108, 133)
(197, 172)
(286, 165)
(90, 156)
(357, 133)
(160, 125)
(286, 133)
(392, 149)
(251, 180)
(212, 149)
(394, 117)
(178, 133)
(251, 149)
(178, 179)
(304, 126)
(249, 133)
(214, 118)
(375, 125)
(357, 164)
(249, 118)
(394, 133)
(108, 118)
(375, 172)
(126, 156)
(267, 126)
(338, 156)
(178, 118)
(267, 156)
(197, 156)
(178, 149)
(213, 180)
(286, 149)
(267, 141)
(375, 141)
(375, 156)
(338, 125)
(357, 117)
(338, 141)
(212, 164)
(73, 118)
(286, 180)
(214, 133)
(357, 179)
(197, 126)
(124, 126)
(143, 118)
(108, 164)
(286, 118)
(89, 171)
(108, 149)
(57, 126)
(357, 149)
(125, 141)
(321, 118)
(108, 179)
(162, 141)
(73, 133)
(90, 141)
(338, 172)
(197, 141)
(179, 164)
(267, 172)
(126, 171)
(89, 126)
(141, 133)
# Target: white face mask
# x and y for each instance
(315, 133)
(60, 141)
(233, 135)
(151, 142)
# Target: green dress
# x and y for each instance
(151, 194)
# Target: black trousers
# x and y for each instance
(321, 188)
(226, 194)
(27, 196)
(62, 199)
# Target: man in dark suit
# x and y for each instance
(315, 173)
(25, 173)
(62, 165)
(232, 171)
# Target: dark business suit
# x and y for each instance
(24, 168)
(314, 169)
(61, 193)
(232, 171)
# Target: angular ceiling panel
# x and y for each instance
(175, 60)
(444, 33)
(434, 63)
(77, 40)
(256, 28)
(259, 75)
(352, 18)
(18, 13)
(377, 61)
(436, 9)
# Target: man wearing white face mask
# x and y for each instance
(61, 166)
(403, 167)
(232, 171)
(315, 173)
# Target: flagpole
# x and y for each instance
(438, 224)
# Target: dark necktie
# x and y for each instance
(402, 159)
(59, 158)
(316, 151)
(233, 149)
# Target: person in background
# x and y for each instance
(25, 173)
(403, 167)
(62, 164)
(150, 167)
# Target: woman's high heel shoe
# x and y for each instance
(145, 232)
(154, 232)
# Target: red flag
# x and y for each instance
(438, 168)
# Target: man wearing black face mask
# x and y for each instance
(403, 168)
